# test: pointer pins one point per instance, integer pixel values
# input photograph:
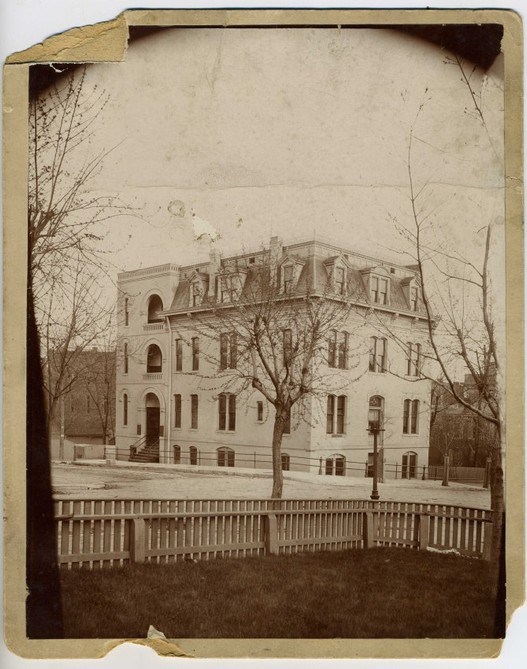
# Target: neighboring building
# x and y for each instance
(456, 430)
(87, 408)
(176, 402)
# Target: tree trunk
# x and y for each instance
(278, 478)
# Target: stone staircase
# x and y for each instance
(143, 452)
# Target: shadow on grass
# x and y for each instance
(376, 593)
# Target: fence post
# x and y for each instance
(487, 541)
(271, 534)
(137, 540)
(424, 529)
(424, 470)
(367, 529)
(446, 472)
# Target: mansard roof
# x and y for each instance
(314, 277)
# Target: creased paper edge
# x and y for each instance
(107, 42)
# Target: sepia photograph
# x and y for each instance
(268, 345)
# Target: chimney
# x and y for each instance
(214, 268)
(275, 253)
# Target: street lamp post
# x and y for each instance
(374, 429)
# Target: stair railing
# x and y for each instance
(137, 446)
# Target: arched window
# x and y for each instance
(225, 457)
(193, 453)
(336, 464)
(409, 468)
(177, 454)
(125, 409)
(155, 307)
(126, 312)
(376, 412)
(125, 358)
(154, 359)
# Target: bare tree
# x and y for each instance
(464, 338)
(67, 262)
(278, 342)
(64, 217)
(72, 322)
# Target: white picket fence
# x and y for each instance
(105, 533)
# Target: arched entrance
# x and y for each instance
(153, 415)
(409, 465)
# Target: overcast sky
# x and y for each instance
(292, 132)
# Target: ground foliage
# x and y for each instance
(376, 593)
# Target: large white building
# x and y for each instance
(181, 398)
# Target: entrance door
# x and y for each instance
(409, 465)
(152, 426)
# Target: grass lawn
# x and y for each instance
(376, 593)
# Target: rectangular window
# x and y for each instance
(125, 409)
(222, 412)
(232, 412)
(228, 351)
(125, 358)
(287, 347)
(224, 350)
(338, 350)
(415, 414)
(343, 351)
(332, 349)
(414, 297)
(406, 416)
(374, 289)
(177, 410)
(341, 413)
(179, 355)
(227, 412)
(413, 359)
(234, 351)
(410, 416)
(383, 291)
(288, 278)
(194, 412)
(378, 290)
(377, 354)
(330, 417)
(259, 411)
(196, 294)
(340, 280)
(195, 354)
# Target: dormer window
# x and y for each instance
(378, 290)
(411, 291)
(414, 298)
(290, 268)
(196, 294)
(231, 286)
(287, 280)
(338, 269)
(340, 280)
